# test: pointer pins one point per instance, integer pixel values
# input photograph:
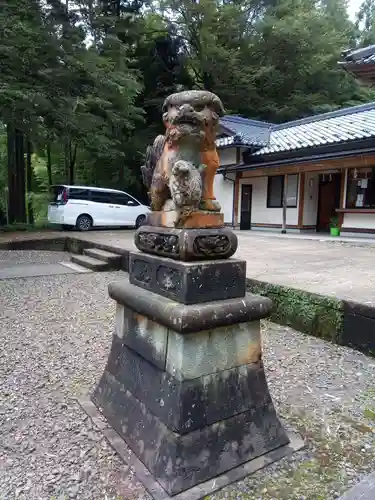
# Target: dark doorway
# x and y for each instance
(246, 194)
(329, 199)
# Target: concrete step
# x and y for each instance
(91, 263)
(112, 258)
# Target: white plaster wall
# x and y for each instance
(310, 205)
(227, 156)
(223, 190)
(360, 221)
(260, 214)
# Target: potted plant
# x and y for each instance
(334, 226)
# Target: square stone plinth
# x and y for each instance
(184, 385)
(188, 282)
(189, 355)
(196, 354)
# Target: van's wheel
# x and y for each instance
(140, 221)
(84, 223)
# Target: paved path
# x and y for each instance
(33, 270)
(365, 490)
(345, 270)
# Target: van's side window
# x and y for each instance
(123, 199)
(101, 197)
(79, 194)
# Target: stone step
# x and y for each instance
(112, 258)
(91, 263)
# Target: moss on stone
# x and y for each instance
(307, 312)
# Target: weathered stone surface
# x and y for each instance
(197, 354)
(187, 244)
(181, 461)
(364, 328)
(234, 391)
(188, 282)
(195, 220)
(180, 405)
(190, 318)
(145, 336)
(184, 405)
(184, 384)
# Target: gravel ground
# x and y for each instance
(54, 339)
(10, 258)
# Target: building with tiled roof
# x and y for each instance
(325, 165)
(361, 63)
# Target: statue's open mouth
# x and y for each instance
(191, 120)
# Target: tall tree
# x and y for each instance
(25, 50)
(365, 23)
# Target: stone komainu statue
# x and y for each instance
(180, 166)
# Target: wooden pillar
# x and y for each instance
(285, 201)
(301, 198)
(236, 188)
(344, 176)
(236, 197)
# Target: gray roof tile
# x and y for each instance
(340, 126)
(364, 55)
(244, 131)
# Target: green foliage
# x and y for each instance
(307, 312)
(334, 221)
(83, 82)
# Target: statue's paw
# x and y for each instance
(210, 205)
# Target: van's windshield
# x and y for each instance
(56, 195)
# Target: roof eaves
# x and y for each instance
(296, 161)
(237, 140)
(325, 116)
(358, 55)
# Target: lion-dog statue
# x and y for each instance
(180, 166)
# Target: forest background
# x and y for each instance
(83, 81)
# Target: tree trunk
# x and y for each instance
(21, 174)
(285, 201)
(208, 82)
(12, 175)
(66, 160)
(16, 176)
(29, 174)
(49, 165)
(72, 163)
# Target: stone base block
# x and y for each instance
(173, 218)
(187, 244)
(184, 404)
(188, 282)
(200, 491)
(179, 462)
(184, 385)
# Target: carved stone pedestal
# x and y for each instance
(184, 384)
(187, 244)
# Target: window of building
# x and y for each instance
(360, 191)
(275, 191)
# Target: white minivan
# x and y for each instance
(84, 207)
